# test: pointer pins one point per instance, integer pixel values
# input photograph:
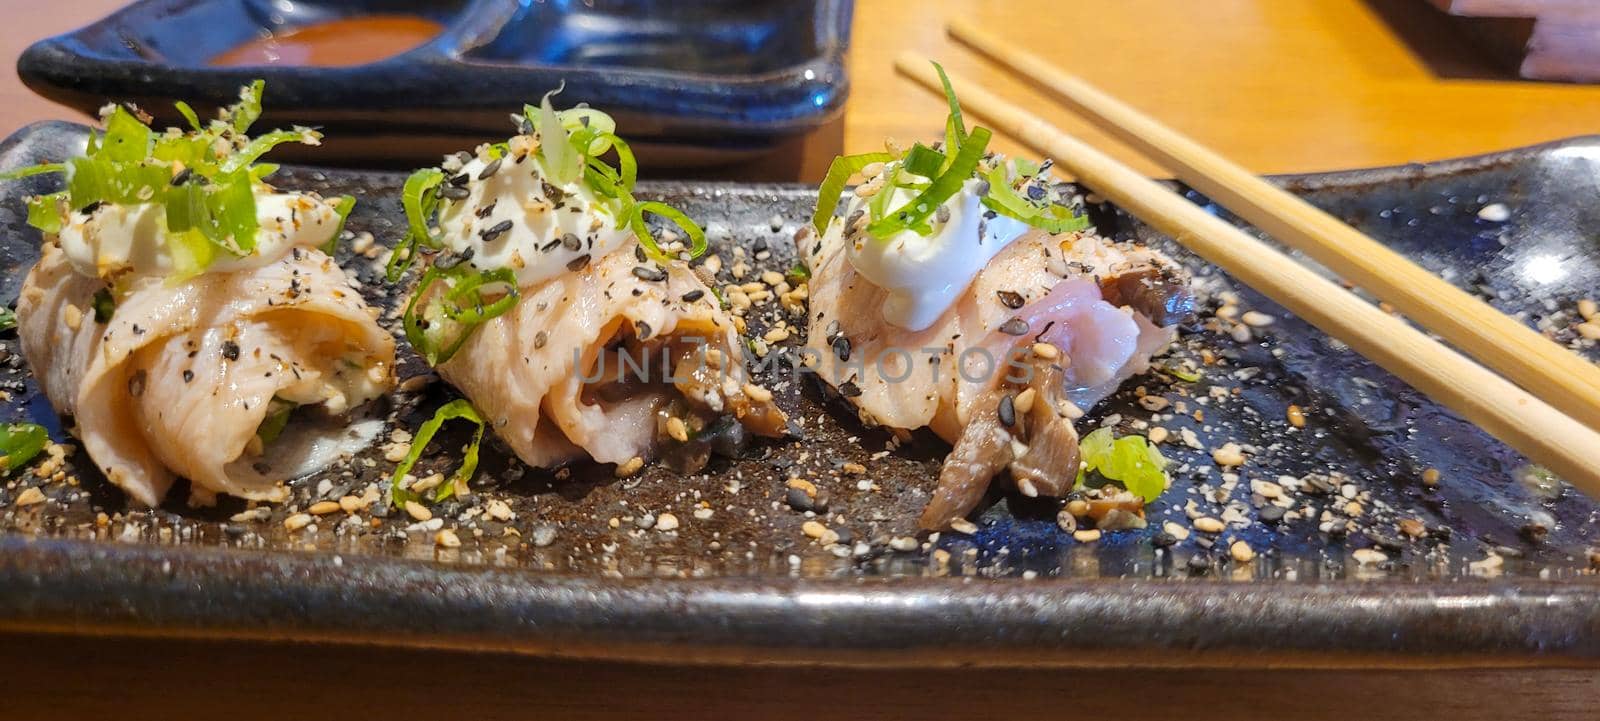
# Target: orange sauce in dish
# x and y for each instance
(336, 43)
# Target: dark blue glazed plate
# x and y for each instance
(693, 81)
(1498, 570)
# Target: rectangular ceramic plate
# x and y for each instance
(737, 580)
(694, 82)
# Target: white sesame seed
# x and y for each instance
(1369, 556)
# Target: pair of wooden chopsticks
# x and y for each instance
(1528, 422)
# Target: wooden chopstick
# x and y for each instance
(1507, 412)
(1562, 378)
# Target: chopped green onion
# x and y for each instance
(697, 237)
(277, 418)
(32, 170)
(839, 174)
(914, 214)
(893, 180)
(47, 213)
(955, 126)
(798, 273)
(1182, 374)
(456, 409)
(188, 114)
(259, 145)
(420, 198)
(104, 305)
(439, 327)
(8, 319)
(19, 443)
(129, 164)
(262, 170)
(127, 140)
(1048, 217)
(561, 159)
(1130, 460)
(191, 253)
(923, 161)
(245, 113)
(342, 207)
(470, 288)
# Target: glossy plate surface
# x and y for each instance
(713, 79)
(737, 580)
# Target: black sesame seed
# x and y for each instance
(942, 214)
(1015, 326)
(649, 273)
(841, 348)
(833, 329)
(188, 375)
(485, 211)
(1007, 411)
(183, 176)
(454, 193)
(136, 382)
(1011, 299)
(1036, 192)
(571, 242)
(449, 260)
(1163, 540)
(642, 330)
(230, 350)
(578, 263)
(798, 500)
(547, 247)
(90, 208)
(981, 189)
(693, 295)
(460, 180)
(845, 536)
(496, 230)
(849, 389)
(1200, 563)
(555, 194)
(990, 215)
(490, 169)
(539, 339)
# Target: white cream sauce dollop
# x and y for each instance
(516, 218)
(925, 274)
(113, 240)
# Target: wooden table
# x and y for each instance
(1281, 85)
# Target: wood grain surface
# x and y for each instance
(78, 678)
(1279, 85)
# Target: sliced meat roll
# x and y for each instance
(599, 361)
(197, 378)
(1056, 320)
